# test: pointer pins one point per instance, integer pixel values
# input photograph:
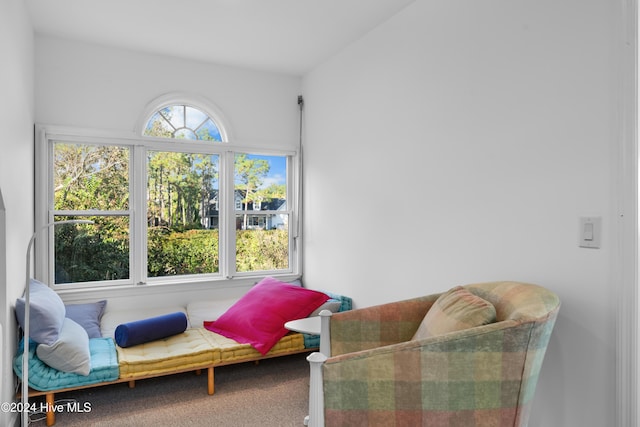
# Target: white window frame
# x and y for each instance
(44, 258)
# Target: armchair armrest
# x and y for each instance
(377, 326)
(489, 371)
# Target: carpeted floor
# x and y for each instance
(274, 392)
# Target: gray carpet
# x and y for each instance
(272, 393)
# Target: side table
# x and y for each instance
(316, 325)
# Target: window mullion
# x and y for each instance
(294, 208)
(139, 215)
(44, 201)
(227, 220)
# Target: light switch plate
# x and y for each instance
(590, 232)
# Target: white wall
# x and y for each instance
(460, 142)
(16, 174)
(90, 86)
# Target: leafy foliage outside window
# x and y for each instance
(90, 179)
(88, 253)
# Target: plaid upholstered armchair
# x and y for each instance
(467, 357)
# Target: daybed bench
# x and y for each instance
(197, 348)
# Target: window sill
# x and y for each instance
(176, 291)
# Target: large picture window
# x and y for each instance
(176, 204)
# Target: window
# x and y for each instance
(177, 204)
(182, 232)
(262, 220)
(91, 182)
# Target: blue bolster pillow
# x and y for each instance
(151, 329)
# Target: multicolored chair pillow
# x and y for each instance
(455, 310)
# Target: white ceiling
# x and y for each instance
(289, 36)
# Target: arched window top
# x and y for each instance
(182, 121)
(171, 116)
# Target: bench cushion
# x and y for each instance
(233, 352)
(186, 351)
(104, 367)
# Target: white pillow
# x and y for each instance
(201, 311)
(70, 353)
(332, 305)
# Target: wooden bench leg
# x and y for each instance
(51, 416)
(132, 384)
(210, 388)
(198, 371)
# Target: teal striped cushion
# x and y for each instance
(104, 367)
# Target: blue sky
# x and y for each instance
(278, 170)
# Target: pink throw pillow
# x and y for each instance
(258, 318)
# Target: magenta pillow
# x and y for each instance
(258, 318)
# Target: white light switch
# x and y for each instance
(589, 233)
